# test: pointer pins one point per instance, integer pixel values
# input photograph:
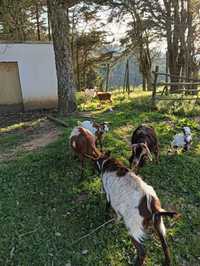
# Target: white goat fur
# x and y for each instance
(76, 132)
(124, 194)
(179, 139)
(90, 92)
(89, 126)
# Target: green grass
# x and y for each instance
(44, 207)
(8, 142)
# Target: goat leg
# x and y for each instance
(141, 253)
(157, 225)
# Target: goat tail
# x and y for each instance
(171, 214)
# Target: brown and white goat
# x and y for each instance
(143, 142)
(98, 129)
(135, 201)
(104, 96)
(83, 142)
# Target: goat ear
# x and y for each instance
(95, 124)
(133, 146)
(148, 153)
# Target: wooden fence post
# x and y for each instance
(167, 70)
(107, 76)
(154, 85)
(127, 78)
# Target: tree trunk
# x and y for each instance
(61, 41)
(172, 40)
(144, 87)
(49, 24)
(145, 69)
(78, 68)
(190, 41)
(37, 16)
(149, 81)
(107, 76)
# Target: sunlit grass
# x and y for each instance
(44, 207)
(20, 125)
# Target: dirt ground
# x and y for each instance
(25, 132)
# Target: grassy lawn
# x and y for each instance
(44, 207)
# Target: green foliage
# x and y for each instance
(181, 108)
(18, 20)
(44, 207)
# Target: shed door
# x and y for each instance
(10, 89)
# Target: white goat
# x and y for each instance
(90, 93)
(134, 201)
(182, 140)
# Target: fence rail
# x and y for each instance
(177, 89)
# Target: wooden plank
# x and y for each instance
(174, 99)
(57, 121)
(176, 76)
(177, 83)
(180, 90)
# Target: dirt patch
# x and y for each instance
(8, 119)
(33, 136)
(40, 141)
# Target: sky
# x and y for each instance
(117, 30)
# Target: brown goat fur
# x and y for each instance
(104, 96)
(148, 207)
(84, 144)
(99, 133)
(144, 142)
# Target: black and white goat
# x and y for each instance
(144, 142)
(182, 140)
(135, 201)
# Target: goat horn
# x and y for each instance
(149, 153)
(133, 145)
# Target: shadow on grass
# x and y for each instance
(45, 208)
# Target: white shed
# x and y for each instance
(27, 76)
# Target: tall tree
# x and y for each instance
(38, 9)
(58, 11)
(138, 36)
(22, 20)
(174, 20)
(87, 42)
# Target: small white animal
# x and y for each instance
(90, 93)
(182, 140)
